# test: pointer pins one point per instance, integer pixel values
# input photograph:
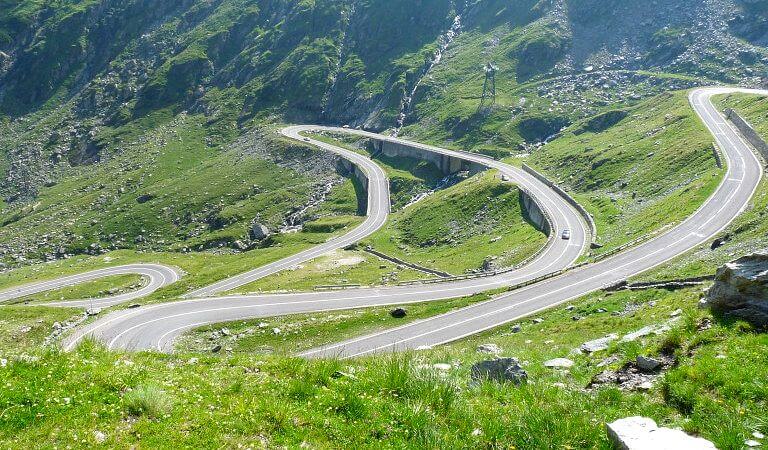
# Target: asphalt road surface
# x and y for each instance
(155, 327)
(155, 276)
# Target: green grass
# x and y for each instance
(305, 331)
(24, 329)
(458, 228)
(396, 401)
(147, 400)
(339, 268)
(650, 170)
(749, 232)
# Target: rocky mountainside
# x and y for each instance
(108, 62)
(84, 81)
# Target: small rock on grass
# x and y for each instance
(501, 370)
(558, 363)
(491, 349)
(647, 364)
(598, 344)
(636, 433)
(99, 437)
(398, 313)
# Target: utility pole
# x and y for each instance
(489, 86)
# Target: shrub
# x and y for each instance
(147, 400)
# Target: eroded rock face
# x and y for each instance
(636, 433)
(741, 289)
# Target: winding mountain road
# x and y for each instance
(156, 276)
(155, 327)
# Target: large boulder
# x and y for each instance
(642, 433)
(259, 232)
(501, 370)
(741, 290)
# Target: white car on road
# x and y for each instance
(566, 234)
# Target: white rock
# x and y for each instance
(598, 344)
(642, 332)
(752, 443)
(3, 362)
(491, 349)
(442, 367)
(676, 313)
(645, 386)
(99, 436)
(277, 330)
(559, 363)
(642, 433)
(758, 435)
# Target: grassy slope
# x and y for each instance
(456, 229)
(650, 170)
(305, 331)
(749, 232)
(515, 37)
(342, 267)
(193, 188)
(272, 401)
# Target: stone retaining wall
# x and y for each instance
(748, 132)
(587, 216)
(447, 164)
